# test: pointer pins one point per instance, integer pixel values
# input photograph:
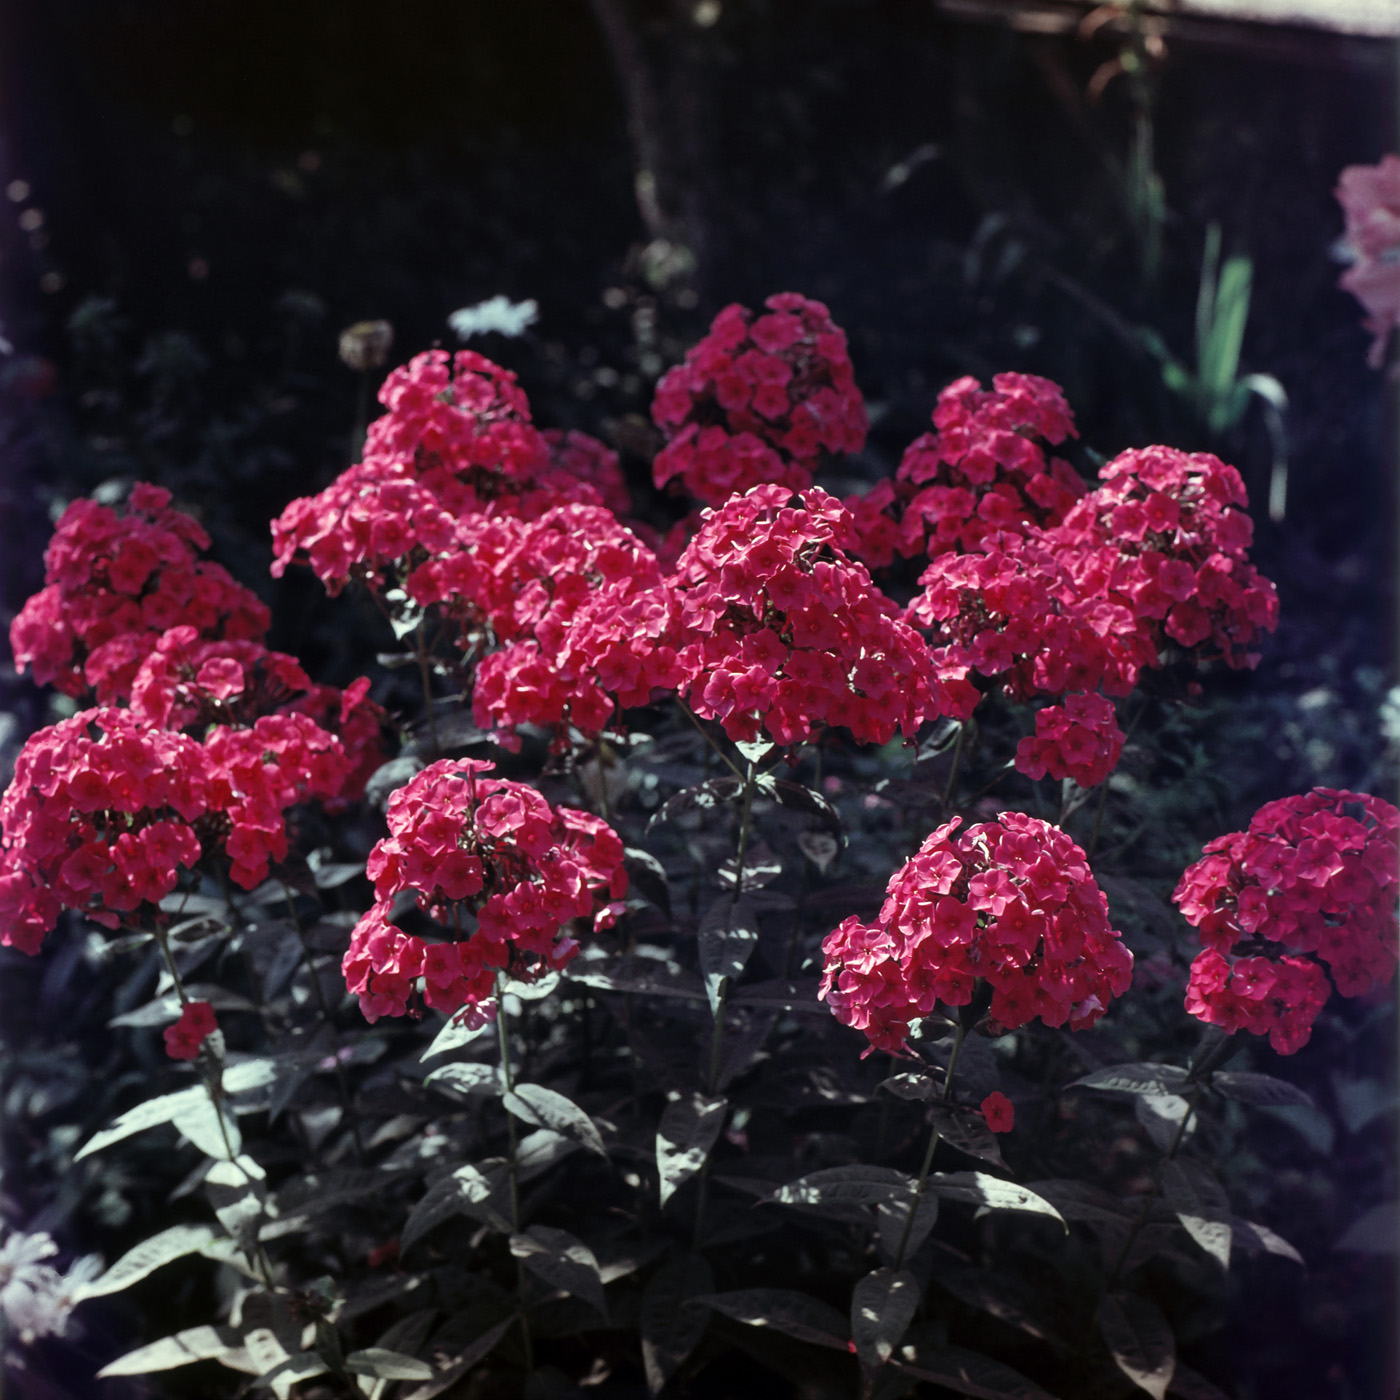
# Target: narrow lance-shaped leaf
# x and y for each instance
(860, 1185)
(1201, 1206)
(1262, 1090)
(784, 1310)
(689, 1127)
(1134, 1079)
(728, 935)
(145, 1115)
(478, 1192)
(145, 1258)
(382, 1364)
(193, 1344)
(990, 1192)
(563, 1260)
(673, 1316)
(449, 1372)
(544, 1108)
(467, 1079)
(890, 1219)
(971, 1374)
(1141, 1341)
(882, 1308)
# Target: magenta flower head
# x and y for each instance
(1312, 882)
(501, 876)
(782, 632)
(1010, 902)
(757, 400)
(1079, 739)
(113, 583)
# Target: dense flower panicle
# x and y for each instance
(196, 1024)
(483, 850)
(583, 456)
(984, 471)
(1013, 611)
(780, 631)
(257, 774)
(1166, 536)
(1315, 874)
(359, 723)
(113, 583)
(757, 400)
(1011, 901)
(1370, 199)
(459, 411)
(97, 818)
(588, 630)
(1080, 740)
(35, 1299)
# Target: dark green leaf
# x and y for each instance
(1140, 1339)
(784, 1310)
(140, 1260)
(476, 1191)
(859, 1185)
(545, 1108)
(387, 1365)
(703, 797)
(689, 1127)
(728, 935)
(1259, 1089)
(673, 1316)
(451, 1369)
(1375, 1232)
(562, 1260)
(990, 1193)
(1134, 1079)
(193, 1344)
(1201, 1206)
(882, 1307)
(467, 1079)
(971, 1374)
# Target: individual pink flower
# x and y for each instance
(503, 876)
(999, 1112)
(1080, 740)
(196, 1024)
(113, 583)
(1311, 882)
(1010, 902)
(780, 631)
(1370, 199)
(984, 471)
(757, 400)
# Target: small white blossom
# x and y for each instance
(498, 314)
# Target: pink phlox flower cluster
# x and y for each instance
(581, 455)
(113, 583)
(190, 683)
(984, 470)
(1315, 874)
(1370, 199)
(1080, 740)
(1012, 902)
(587, 628)
(196, 1024)
(459, 411)
(1013, 611)
(472, 847)
(757, 400)
(780, 631)
(260, 772)
(97, 818)
(1166, 536)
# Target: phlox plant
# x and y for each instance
(724, 965)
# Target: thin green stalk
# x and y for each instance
(503, 1034)
(346, 1103)
(958, 1036)
(953, 771)
(420, 650)
(690, 715)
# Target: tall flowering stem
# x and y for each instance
(513, 1168)
(958, 1036)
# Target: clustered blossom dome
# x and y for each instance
(113, 583)
(780, 630)
(984, 470)
(1013, 612)
(584, 614)
(499, 868)
(1080, 740)
(1314, 874)
(757, 400)
(103, 809)
(1164, 535)
(456, 447)
(583, 457)
(1011, 901)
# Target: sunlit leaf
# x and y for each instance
(673, 1316)
(882, 1307)
(688, 1130)
(563, 1260)
(1140, 1339)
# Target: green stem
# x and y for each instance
(503, 1034)
(958, 1035)
(346, 1103)
(953, 771)
(420, 650)
(704, 734)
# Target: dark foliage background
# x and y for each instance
(202, 195)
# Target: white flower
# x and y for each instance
(498, 314)
(34, 1297)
